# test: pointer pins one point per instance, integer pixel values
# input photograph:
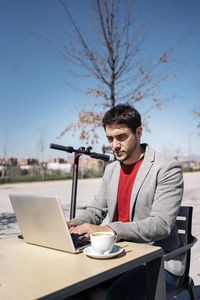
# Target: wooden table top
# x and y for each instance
(32, 272)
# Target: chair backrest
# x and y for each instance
(184, 224)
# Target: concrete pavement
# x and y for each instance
(86, 190)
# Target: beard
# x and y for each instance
(124, 155)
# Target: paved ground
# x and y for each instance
(86, 190)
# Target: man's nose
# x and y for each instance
(116, 143)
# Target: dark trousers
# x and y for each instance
(130, 286)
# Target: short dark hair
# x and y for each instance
(122, 114)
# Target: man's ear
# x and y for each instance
(138, 132)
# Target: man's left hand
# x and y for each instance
(86, 229)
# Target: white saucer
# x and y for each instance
(115, 251)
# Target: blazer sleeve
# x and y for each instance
(159, 222)
(97, 211)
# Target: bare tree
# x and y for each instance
(5, 146)
(197, 114)
(41, 142)
(111, 55)
(41, 148)
(197, 109)
(5, 154)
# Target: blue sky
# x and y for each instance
(35, 98)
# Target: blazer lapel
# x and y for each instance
(115, 185)
(141, 175)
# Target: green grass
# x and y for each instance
(29, 178)
(191, 171)
(33, 178)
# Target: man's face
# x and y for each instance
(124, 143)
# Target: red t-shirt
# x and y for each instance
(127, 178)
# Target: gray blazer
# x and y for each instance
(155, 201)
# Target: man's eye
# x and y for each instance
(110, 139)
(122, 137)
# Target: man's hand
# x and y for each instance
(86, 229)
(70, 224)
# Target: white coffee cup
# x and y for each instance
(102, 242)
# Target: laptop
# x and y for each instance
(41, 221)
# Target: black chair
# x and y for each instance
(184, 224)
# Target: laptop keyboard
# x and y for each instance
(79, 240)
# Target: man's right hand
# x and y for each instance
(71, 224)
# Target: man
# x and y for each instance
(141, 192)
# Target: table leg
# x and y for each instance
(156, 289)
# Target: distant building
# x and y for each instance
(59, 164)
(190, 164)
(27, 163)
(56, 164)
(8, 162)
(90, 164)
(57, 160)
